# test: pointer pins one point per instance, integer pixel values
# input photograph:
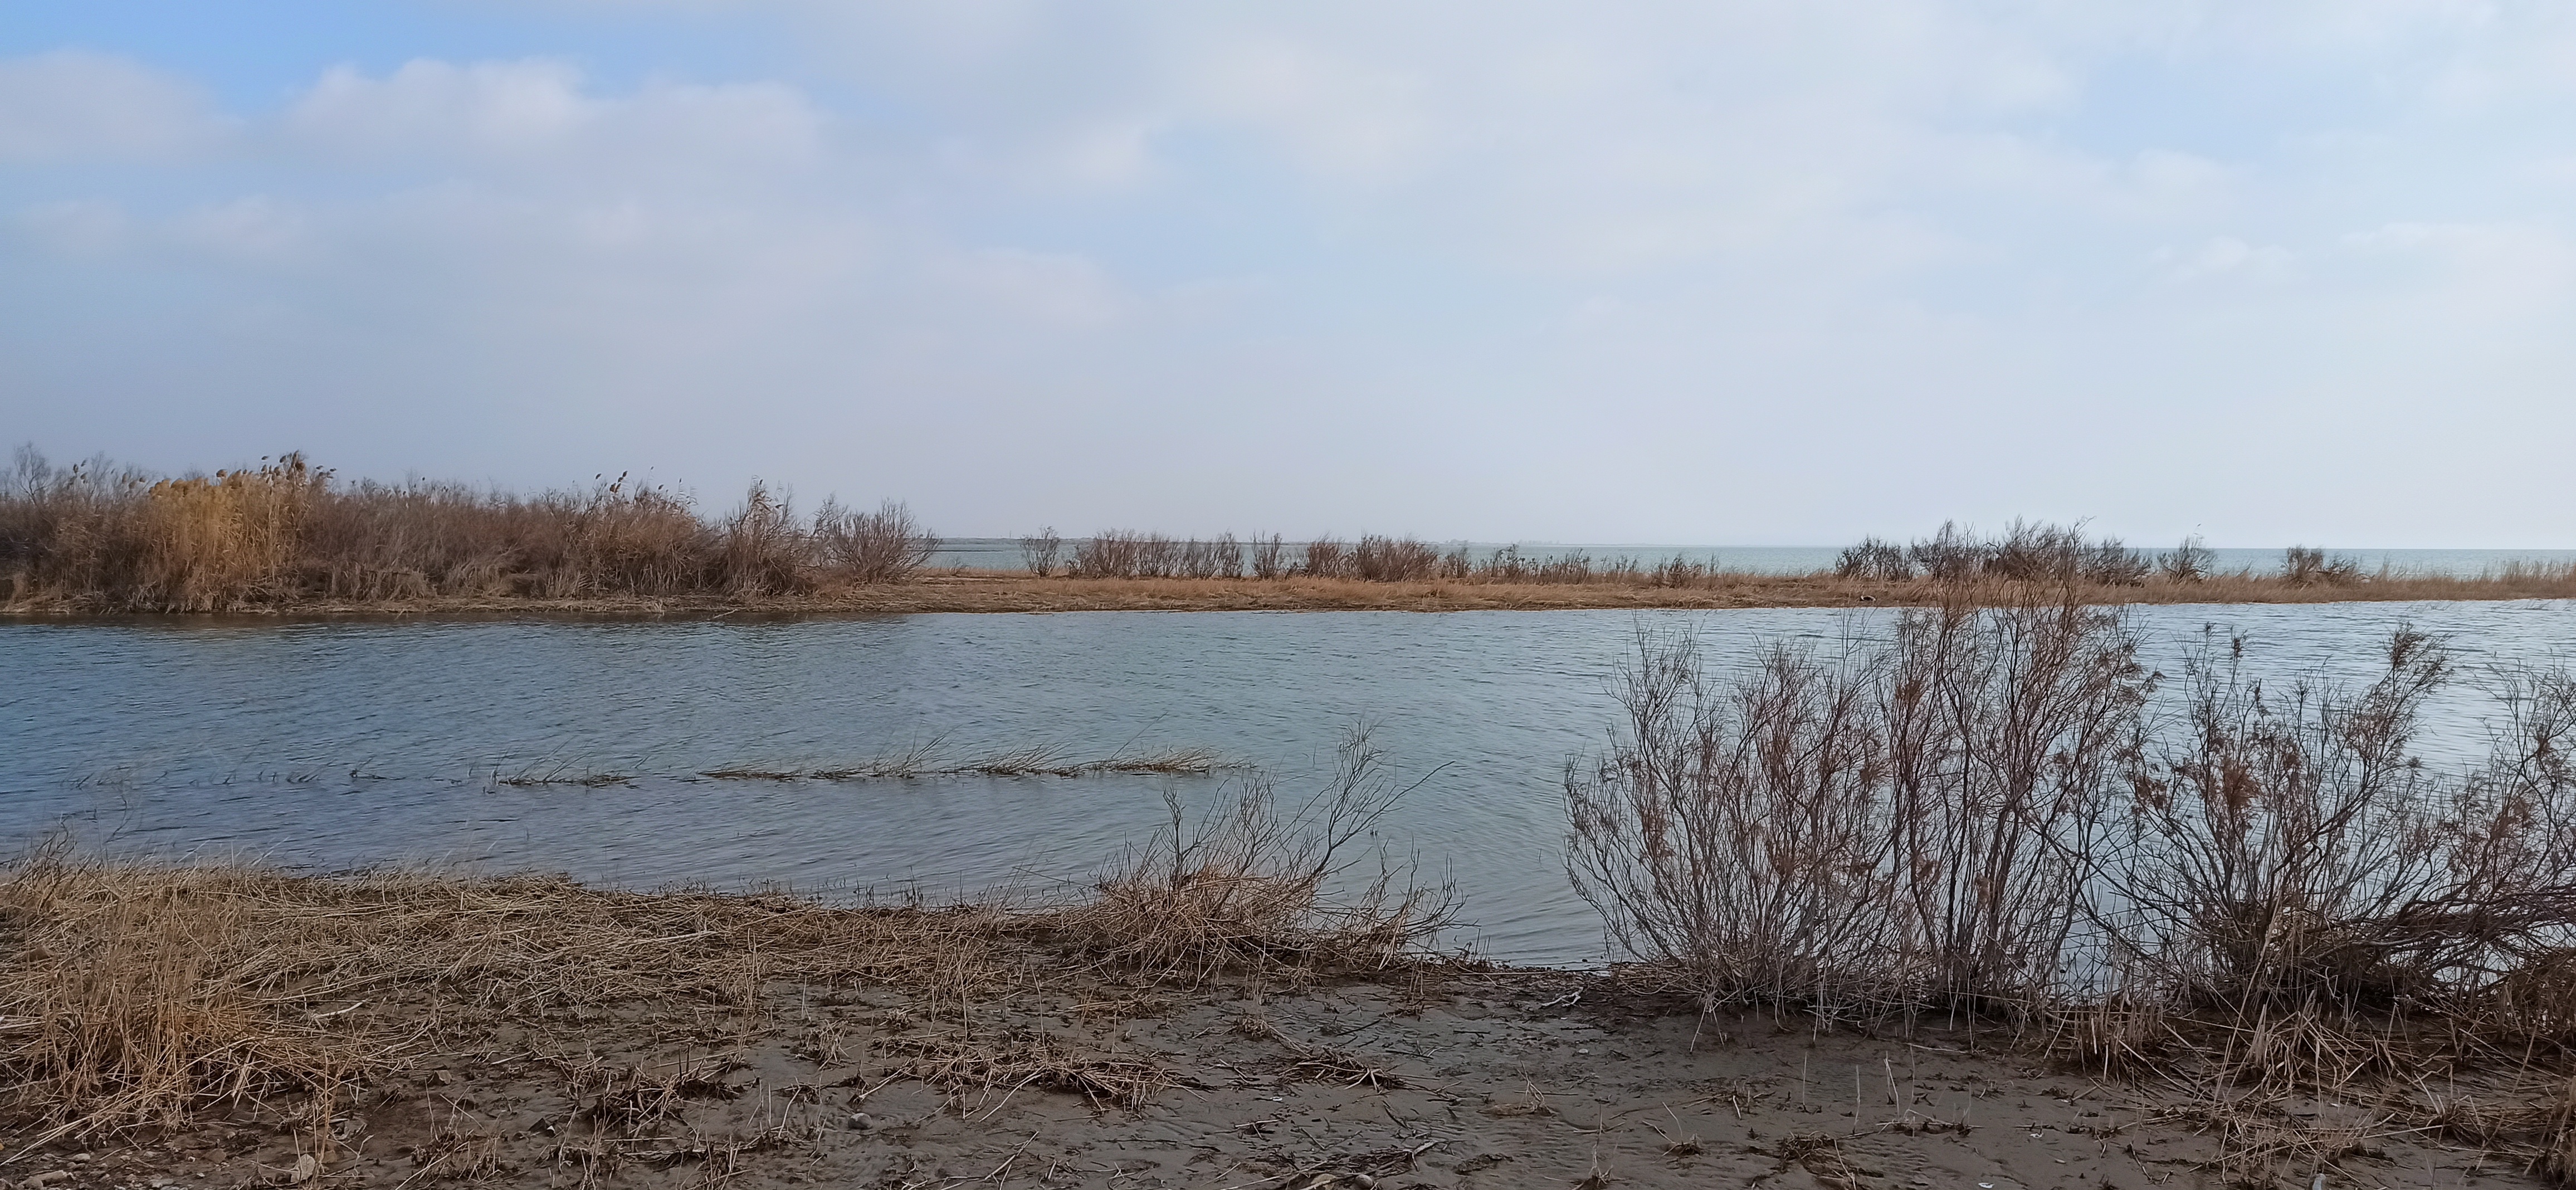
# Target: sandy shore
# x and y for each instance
(417, 1031)
(1459, 1079)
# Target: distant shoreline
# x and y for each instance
(983, 591)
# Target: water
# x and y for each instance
(329, 745)
(1001, 553)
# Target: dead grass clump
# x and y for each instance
(144, 994)
(973, 1070)
(1257, 884)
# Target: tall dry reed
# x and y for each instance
(101, 537)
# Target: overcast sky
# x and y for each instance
(1710, 272)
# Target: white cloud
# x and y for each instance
(70, 105)
(539, 114)
(1907, 258)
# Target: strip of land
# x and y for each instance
(988, 591)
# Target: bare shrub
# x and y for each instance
(1123, 553)
(2303, 566)
(1219, 558)
(1253, 883)
(1269, 558)
(1327, 557)
(885, 546)
(1677, 571)
(1507, 565)
(1876, 559)
(2006, 730)
(2111, 563)
(1041, 553)
(1932, 805)
(2189, 562)
(2300, 858)
(1738, 831)
(1394, 560)
(1953, 555)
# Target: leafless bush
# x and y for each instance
(1394, 560)
(1875, 558)
(1326, 557)
(1269, 558)
(2303, 566)
(2006, 730)
(1739, 831)
(1041, 552)
(885, 546)
(2190, 562)
(1121, 553)
(1954, 555)
(1220, 558)
(1908, 826)
(1677, 571)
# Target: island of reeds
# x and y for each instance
(288, 536)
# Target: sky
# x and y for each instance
(1718, 272)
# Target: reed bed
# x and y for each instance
(142, 995)
(97, 537)
(2259, 894)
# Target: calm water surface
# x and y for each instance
(343, 744)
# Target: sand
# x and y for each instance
(1434, 1079)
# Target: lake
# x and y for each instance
(326, 745)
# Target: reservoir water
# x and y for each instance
(326, 745)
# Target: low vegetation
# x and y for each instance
(142, 995)
(97, 537)
(2260, 893)
(287, 535)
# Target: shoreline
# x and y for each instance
(971, 593)
(384, 1029)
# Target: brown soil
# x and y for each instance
(1457, 1078)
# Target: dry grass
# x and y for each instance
(96, 537)
(287, 536)
(143, 995)
(1259, 884)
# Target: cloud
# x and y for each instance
(72, 106)
(539, 115)
(1507, 268)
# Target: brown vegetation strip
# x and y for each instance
(289, 538)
